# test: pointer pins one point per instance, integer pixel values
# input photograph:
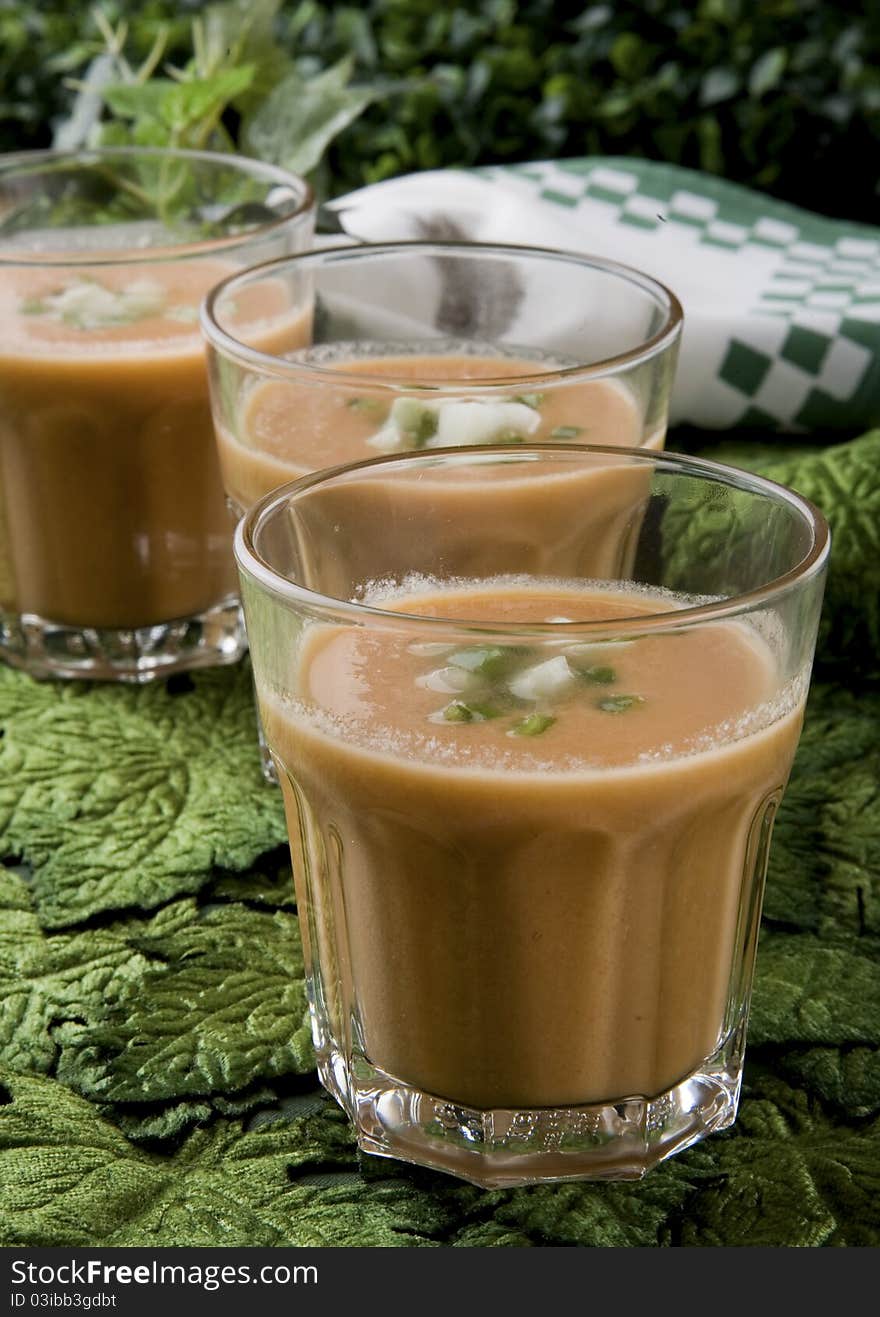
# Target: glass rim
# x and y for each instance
(243, 164)
(250, 562)
(279, 367)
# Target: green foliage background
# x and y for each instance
(143, 866)
(783, 95)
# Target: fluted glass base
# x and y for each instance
(44, 648)
(494, 1148)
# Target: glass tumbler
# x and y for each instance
(530, 783)
(115, 544)
(407, 346)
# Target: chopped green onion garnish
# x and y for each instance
(415, 422)
(566, 432)
(620, 703)
(508, 437)
(33, 306)
(602, 676)
(369, 406)
(532, 400)
(534, 725)
(459, 712)
(489, 661)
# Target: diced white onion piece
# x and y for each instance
(452, 423)
(544, 680)
(93, 306)
(449, 681)
(469, 424)
(405, 419)
(388, 440)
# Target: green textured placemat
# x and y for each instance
(157, 1083)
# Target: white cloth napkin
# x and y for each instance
(782, 307)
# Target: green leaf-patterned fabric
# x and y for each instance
(156, 1075)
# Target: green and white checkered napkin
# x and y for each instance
(782, 307)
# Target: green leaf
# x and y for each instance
(118, 132)
(19, 934)
(146, 100)
(243, 32)
(184, 110)
(66, 1176)
(220, 1005)
(69, 1177)
(787, 1174)
(190, 102)
(269, 886)
(846, 1078)
(767, 71)
(102, 1008)
(44, 983)
(630, 56)
(124, 797)
(809, 992)
(296, 122)
(719, 84)
(824, 871)
(169, 1123)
